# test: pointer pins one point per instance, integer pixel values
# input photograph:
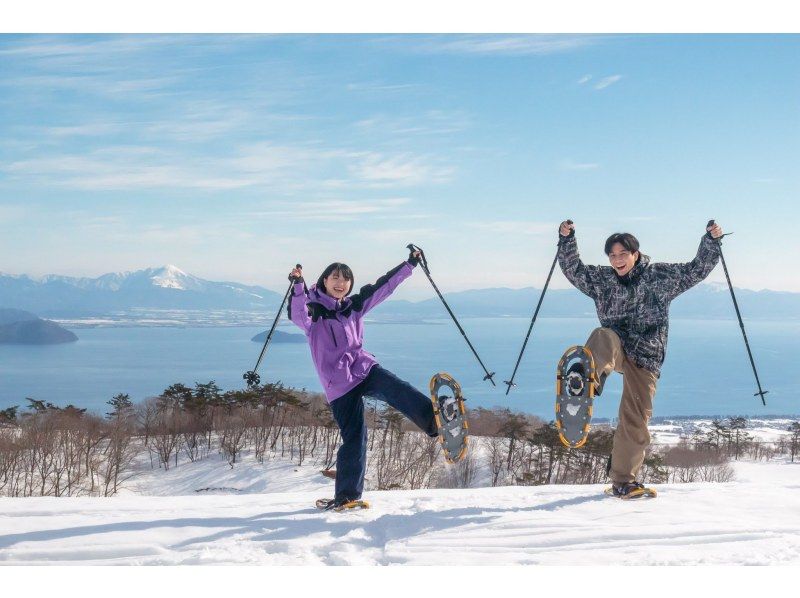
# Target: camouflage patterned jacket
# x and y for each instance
(636, 306)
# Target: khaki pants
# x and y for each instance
(631, 437)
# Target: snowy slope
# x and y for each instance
(755, 520)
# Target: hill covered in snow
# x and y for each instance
(193, 515)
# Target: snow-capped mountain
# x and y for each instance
(169, 287)
(166, 287)
(167, 277)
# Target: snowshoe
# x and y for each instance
(451, 416)
(576, 382)
(630, 490)
(330, 504)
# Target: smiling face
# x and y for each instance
(336, 285)
(621, 259)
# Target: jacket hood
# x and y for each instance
(326, 300)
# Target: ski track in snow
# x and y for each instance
(754, 520)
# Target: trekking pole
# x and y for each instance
(252, 378)
(760, 392)
(510, 383)
(424, 263)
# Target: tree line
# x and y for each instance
(46, 450)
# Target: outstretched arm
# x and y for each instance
(584, 278)
(373, 294)
(679, 278)
(298, 302)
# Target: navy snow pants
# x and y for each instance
(348, 411)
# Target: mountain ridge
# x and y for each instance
(169, 287)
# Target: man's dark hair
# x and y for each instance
(627, 240)
(343, 270)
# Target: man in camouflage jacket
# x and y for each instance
(632, 298)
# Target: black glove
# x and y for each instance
(414, 261)
(296, 279)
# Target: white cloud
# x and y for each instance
(431, 122)
(572, 165)
(514, 227)
(380, 87)
(105, 85)
(584, 79)
(534, 44)
(89, 52)
(607, 81)
(120, 168)
(280, 168)
(405, 169)
(334, 210)
(89, 129)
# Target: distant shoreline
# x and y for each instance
(266, 321)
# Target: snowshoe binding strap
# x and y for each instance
(630, 491)
(341, 504)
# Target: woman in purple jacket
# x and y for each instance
(333, 321)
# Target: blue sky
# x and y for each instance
(233, 157)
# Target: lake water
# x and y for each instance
(707, 371)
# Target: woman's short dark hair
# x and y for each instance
(343, 270)
(627, 240)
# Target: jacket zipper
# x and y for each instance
(333, 336)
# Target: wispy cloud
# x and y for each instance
(514, 227)
(607, 81)
(381, 87)
(569, 164)
(333, 210)
(89, 129)
(290, 168)
(430, 122)
(584, 79)
(110, 66)
(122, 228)
(401, 236)
(120, 168)
(520, 45)
(377, 169)
(106, 85)
(91, 51)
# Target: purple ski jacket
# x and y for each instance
(335, 329)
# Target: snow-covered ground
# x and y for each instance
(264, 514)
(762, 430)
